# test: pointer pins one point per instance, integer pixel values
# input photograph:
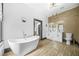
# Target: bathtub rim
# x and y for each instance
(25, 40)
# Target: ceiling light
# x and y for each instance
(54, 4)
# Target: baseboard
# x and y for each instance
(44, 38)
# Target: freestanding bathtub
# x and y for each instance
(23, 46)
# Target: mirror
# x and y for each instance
(38, 28)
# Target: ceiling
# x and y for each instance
(48, 10)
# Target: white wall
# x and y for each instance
(13, 26)
(0, 22)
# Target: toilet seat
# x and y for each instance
(68, 38)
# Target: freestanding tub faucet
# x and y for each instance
(24, 34)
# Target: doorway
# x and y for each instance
(38, 28)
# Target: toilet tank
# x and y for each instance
(68, 35)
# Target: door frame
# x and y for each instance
(41, 26)
(2, 7)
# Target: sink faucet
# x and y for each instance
(24, 35)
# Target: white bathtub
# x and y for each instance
(1, 48)
(23, 46)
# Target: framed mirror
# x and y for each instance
(38, 28)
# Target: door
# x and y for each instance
(38, 28)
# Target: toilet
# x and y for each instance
(68, 38)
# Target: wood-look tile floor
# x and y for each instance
(51, 48)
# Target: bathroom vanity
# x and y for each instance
(55, 32)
